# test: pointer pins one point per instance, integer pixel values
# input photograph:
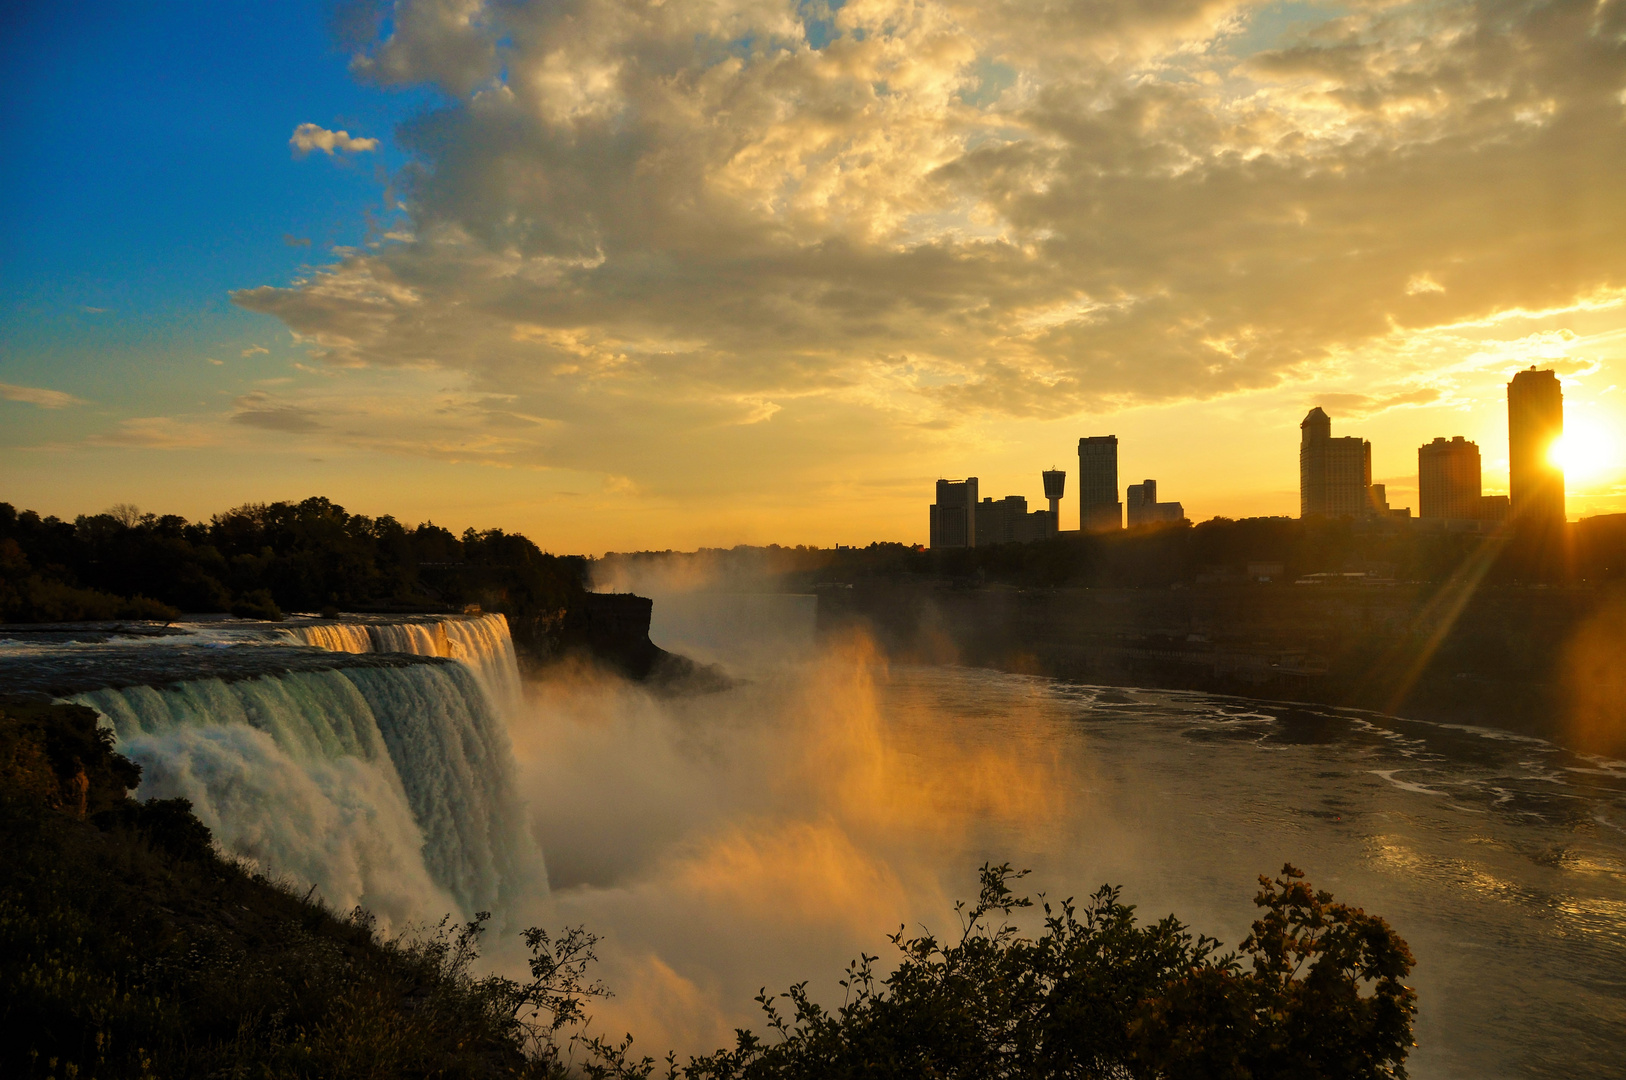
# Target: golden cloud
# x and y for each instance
(860, 230)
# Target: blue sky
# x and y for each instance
(149, 173)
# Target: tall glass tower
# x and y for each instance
(1535, 420)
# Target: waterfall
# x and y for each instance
(486, 646)
(482, 642)
(388, 787)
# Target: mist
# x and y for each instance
(725, 843)
(767, 835)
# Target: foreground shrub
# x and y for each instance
(1099, 995)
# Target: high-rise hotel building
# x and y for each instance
(954, 514)
(1535, 420)
(1448, 481)
(1335, 475)
(1099, 509)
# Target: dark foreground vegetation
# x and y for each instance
(128, 948)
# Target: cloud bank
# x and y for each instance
(854, 231)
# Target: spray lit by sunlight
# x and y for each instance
(1587, 451)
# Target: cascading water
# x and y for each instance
(482, 642)
(389, 785)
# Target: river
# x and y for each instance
(1500, 858)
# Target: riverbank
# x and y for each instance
(1540, 661)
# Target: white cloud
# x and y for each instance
(308, 137)
(35, 395)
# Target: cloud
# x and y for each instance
(290, 240)
(34, 395)
(1362, 405)
(308, 137)
(255, 350)
(649, 223)
(157, 433)
(1573, 367)
(258, 410)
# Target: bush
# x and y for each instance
(257, 604)
(1097, 995)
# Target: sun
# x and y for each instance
(1586, 451)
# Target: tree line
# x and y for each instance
(1223, 550)
(261, 560)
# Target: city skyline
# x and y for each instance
(1335, 480)
(506, 275)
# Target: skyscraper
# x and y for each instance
(1335, 475)
(1535, 420)
(954, 514)
(1098, 507)
(1448, 480)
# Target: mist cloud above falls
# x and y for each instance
(821, 234)
(764, 836)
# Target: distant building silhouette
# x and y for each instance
(954, 514)
(1007, 521)
(1448, 480)
(998, 522)
(1535, 420)
(1335, 475)
(1098, 507)
(1377, 502)
(1055, 481)
(1144, 509)
(1493, 508)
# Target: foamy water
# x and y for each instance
(388, 785)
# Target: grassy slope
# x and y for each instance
(127, 948)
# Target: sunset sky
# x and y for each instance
(652, 274)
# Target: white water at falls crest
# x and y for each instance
(387, 787)
(482, 642)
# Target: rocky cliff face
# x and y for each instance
(56, 756)
(611, 629)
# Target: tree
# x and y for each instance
(1099, 995)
